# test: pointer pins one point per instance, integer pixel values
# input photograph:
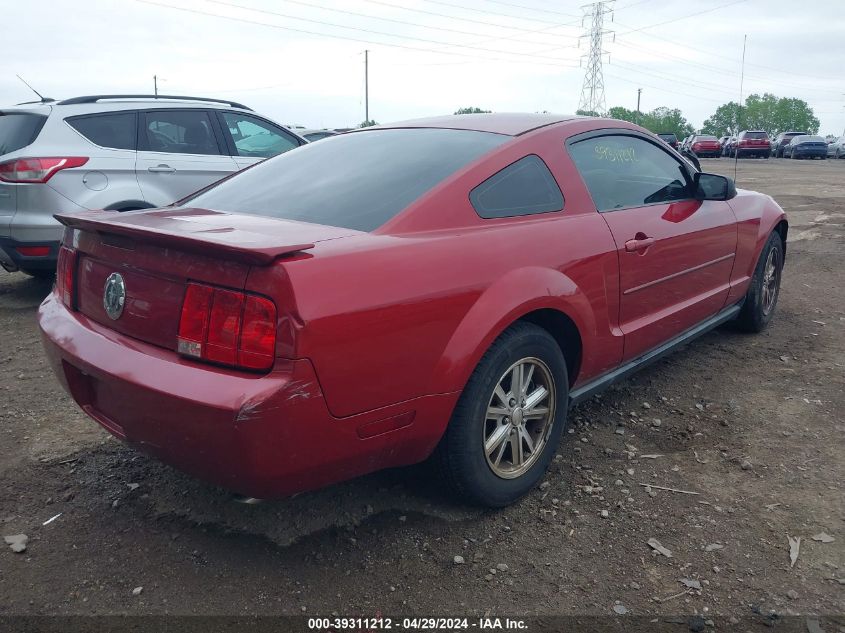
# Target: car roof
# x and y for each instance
(511, 124)
(108, 103)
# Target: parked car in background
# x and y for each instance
(781, 141)
(669, 138)
(316, 135)
(722, 141)
(704, 145)
(235, 339)
(118, 152)
(752, 143)
(806, 146)
(836, 149)
(728, 147)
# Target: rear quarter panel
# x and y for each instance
(389, 317)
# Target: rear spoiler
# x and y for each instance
(201, 231)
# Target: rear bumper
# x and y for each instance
(12, 260)
(262, 436)
(810, 152)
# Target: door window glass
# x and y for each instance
(180, 132)
(626, 171)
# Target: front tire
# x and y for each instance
(762, 296)
(508, 421)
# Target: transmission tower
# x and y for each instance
(592, 92)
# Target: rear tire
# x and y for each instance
(485, 455)
(762, 296)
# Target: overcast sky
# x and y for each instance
(302, 61)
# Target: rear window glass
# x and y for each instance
(754, 135)
(356, 181)
(705, 137)
(117, 130)
(668, 137)
(811, 139)
(522, 188)
(19, 130)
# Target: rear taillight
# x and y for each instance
(37, 170)
(227, 327)
(65, 275)
(33, 251)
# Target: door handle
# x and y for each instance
(161, 169)
(639, 244)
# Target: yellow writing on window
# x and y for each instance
(615, 154)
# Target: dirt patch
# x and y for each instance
(752, 424)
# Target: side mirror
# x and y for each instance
(713, 187)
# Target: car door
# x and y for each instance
(251, 139)
(179, 151)
(675, 252)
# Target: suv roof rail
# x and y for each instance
(96, 98)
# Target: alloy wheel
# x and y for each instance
(771, 281)
(520, 415)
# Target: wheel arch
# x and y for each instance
(129, 205)
(544, 297)
(782, 229)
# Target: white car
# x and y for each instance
(118, 152)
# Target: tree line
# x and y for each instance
(768, 113)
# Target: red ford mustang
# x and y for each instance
(442, 288)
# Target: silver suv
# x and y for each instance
(118, 152)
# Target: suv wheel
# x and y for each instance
(508, 421)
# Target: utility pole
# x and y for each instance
(639, 92)
(367, 86)
(155, 84)
(592, 91)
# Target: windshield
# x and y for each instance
(17, 130)
(356, 181)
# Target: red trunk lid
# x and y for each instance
(158, 252)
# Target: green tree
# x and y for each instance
(729, 118)
(767, 112)
(472, 111)
(587, 113)
(658, 120)
(369, 123)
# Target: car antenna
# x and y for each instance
(741, 82)
(40, 96)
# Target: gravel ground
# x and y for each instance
(752, 424)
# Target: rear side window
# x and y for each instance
(355, 181)
(17, 130)
(525, 187)
(180, 132)
(117, 130)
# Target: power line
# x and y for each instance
(712, 54)
(363, 30)
(488, 12)
(539, 10)
(720, 70)
(355, 39)
(474, 21)
(383, 19)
